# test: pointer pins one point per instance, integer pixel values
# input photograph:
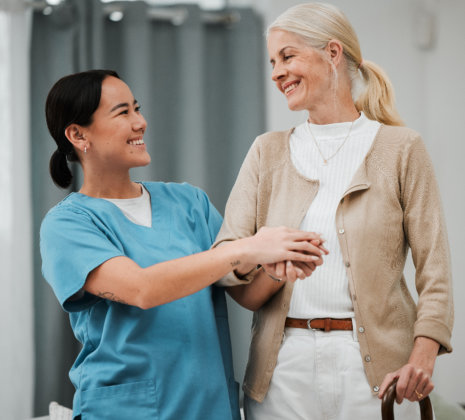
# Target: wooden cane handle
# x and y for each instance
(387, 406)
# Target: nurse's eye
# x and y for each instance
(125, 112)
(137, 108)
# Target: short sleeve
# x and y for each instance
(71, 246)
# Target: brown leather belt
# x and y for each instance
(324, 324)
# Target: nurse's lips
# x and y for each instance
(136, 142)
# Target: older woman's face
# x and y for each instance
(300, 72)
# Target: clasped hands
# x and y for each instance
(292, 270)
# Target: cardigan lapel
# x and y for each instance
(360, 180)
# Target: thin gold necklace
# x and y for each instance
(325, 160)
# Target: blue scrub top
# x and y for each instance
(169, 362)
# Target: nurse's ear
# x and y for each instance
(75, 134)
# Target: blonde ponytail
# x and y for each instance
(377, 98)
(319, 23)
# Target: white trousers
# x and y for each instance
(319, 376)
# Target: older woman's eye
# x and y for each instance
(287, 57)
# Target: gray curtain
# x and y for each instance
(199, 79)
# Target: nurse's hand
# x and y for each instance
(274, 244)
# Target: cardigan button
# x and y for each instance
(367, 358)
(341, 231)
(361, 329)
(376, 388)
(347, 264)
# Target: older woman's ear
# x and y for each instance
(335, 51)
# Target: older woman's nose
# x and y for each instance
(278, 72)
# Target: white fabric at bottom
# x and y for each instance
(319, 376)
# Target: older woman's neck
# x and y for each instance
(331, 113)
(337, 106)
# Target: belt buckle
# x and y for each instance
(309, 327)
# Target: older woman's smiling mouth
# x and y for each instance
(290, 86)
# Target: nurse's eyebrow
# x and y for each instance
(122, 105)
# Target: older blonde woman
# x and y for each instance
(354, 174)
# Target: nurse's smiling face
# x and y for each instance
(115, 136)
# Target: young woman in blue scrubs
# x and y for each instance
(131, 264)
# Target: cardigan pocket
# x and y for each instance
(135, 400)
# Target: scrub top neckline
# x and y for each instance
(118, 210)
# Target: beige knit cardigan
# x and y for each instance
(391, 204)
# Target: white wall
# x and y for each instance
(16, 298)
(430, 91)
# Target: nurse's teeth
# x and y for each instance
(136, 142)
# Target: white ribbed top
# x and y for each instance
(326, 293)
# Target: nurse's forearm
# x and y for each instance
(121, 279)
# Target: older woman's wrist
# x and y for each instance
(245, 270)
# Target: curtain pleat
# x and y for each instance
(190, 135)
(201, 89)
(234, 98)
